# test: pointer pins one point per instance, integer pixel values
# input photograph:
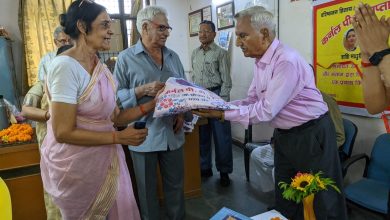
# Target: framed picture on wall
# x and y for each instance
(225, 15)
(194, 19)
(206, 13)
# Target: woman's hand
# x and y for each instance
(131, 136)
(114, 115)
(149, 106)
(123, 117)
(371, 32)
(208, 113)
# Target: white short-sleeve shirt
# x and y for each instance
(66, 79)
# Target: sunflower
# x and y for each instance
(320, 183)
(301, 181)
(304, 184)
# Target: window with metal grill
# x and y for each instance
(122, 26)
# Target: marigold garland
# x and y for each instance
(16, 133)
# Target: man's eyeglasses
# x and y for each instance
(161, 27)
(88, 1)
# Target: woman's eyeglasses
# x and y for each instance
(161, 27)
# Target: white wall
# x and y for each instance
(9, 19)
(178, 40)
(296, 26)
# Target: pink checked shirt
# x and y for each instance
(282, 92)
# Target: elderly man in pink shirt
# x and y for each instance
(283, 92)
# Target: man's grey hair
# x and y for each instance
(260, 18)
(147, 14)
(57, 31)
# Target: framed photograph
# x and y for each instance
(225, 14)
(224, 39)
(194, 19)
(206, 13)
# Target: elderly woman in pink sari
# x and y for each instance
(83, 165)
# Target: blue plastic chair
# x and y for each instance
(350, 130)
(372, 191)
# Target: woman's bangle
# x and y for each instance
(141, 108)
(113, 137)
(46, 115)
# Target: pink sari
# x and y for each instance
(78, 176)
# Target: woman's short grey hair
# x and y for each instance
(260, 18)
(57, 31)
(147, 14)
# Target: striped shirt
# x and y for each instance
(211, 68)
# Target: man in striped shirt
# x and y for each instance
(211, 70)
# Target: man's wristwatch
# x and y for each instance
(377, 57)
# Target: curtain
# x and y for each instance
(136, 7)
(38, 20)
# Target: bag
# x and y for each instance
(180, 96)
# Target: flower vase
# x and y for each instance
(308, 211)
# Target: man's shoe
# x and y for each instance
(206, 173)
(225, 180)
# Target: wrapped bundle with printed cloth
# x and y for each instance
(181, 96)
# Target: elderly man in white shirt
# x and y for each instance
(60, 39)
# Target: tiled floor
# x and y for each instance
(241, 196)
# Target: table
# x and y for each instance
(19, 167)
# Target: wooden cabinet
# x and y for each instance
(19, 167)
(192, 180)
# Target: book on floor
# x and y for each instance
(228, 214)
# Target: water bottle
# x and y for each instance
(4, 120)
